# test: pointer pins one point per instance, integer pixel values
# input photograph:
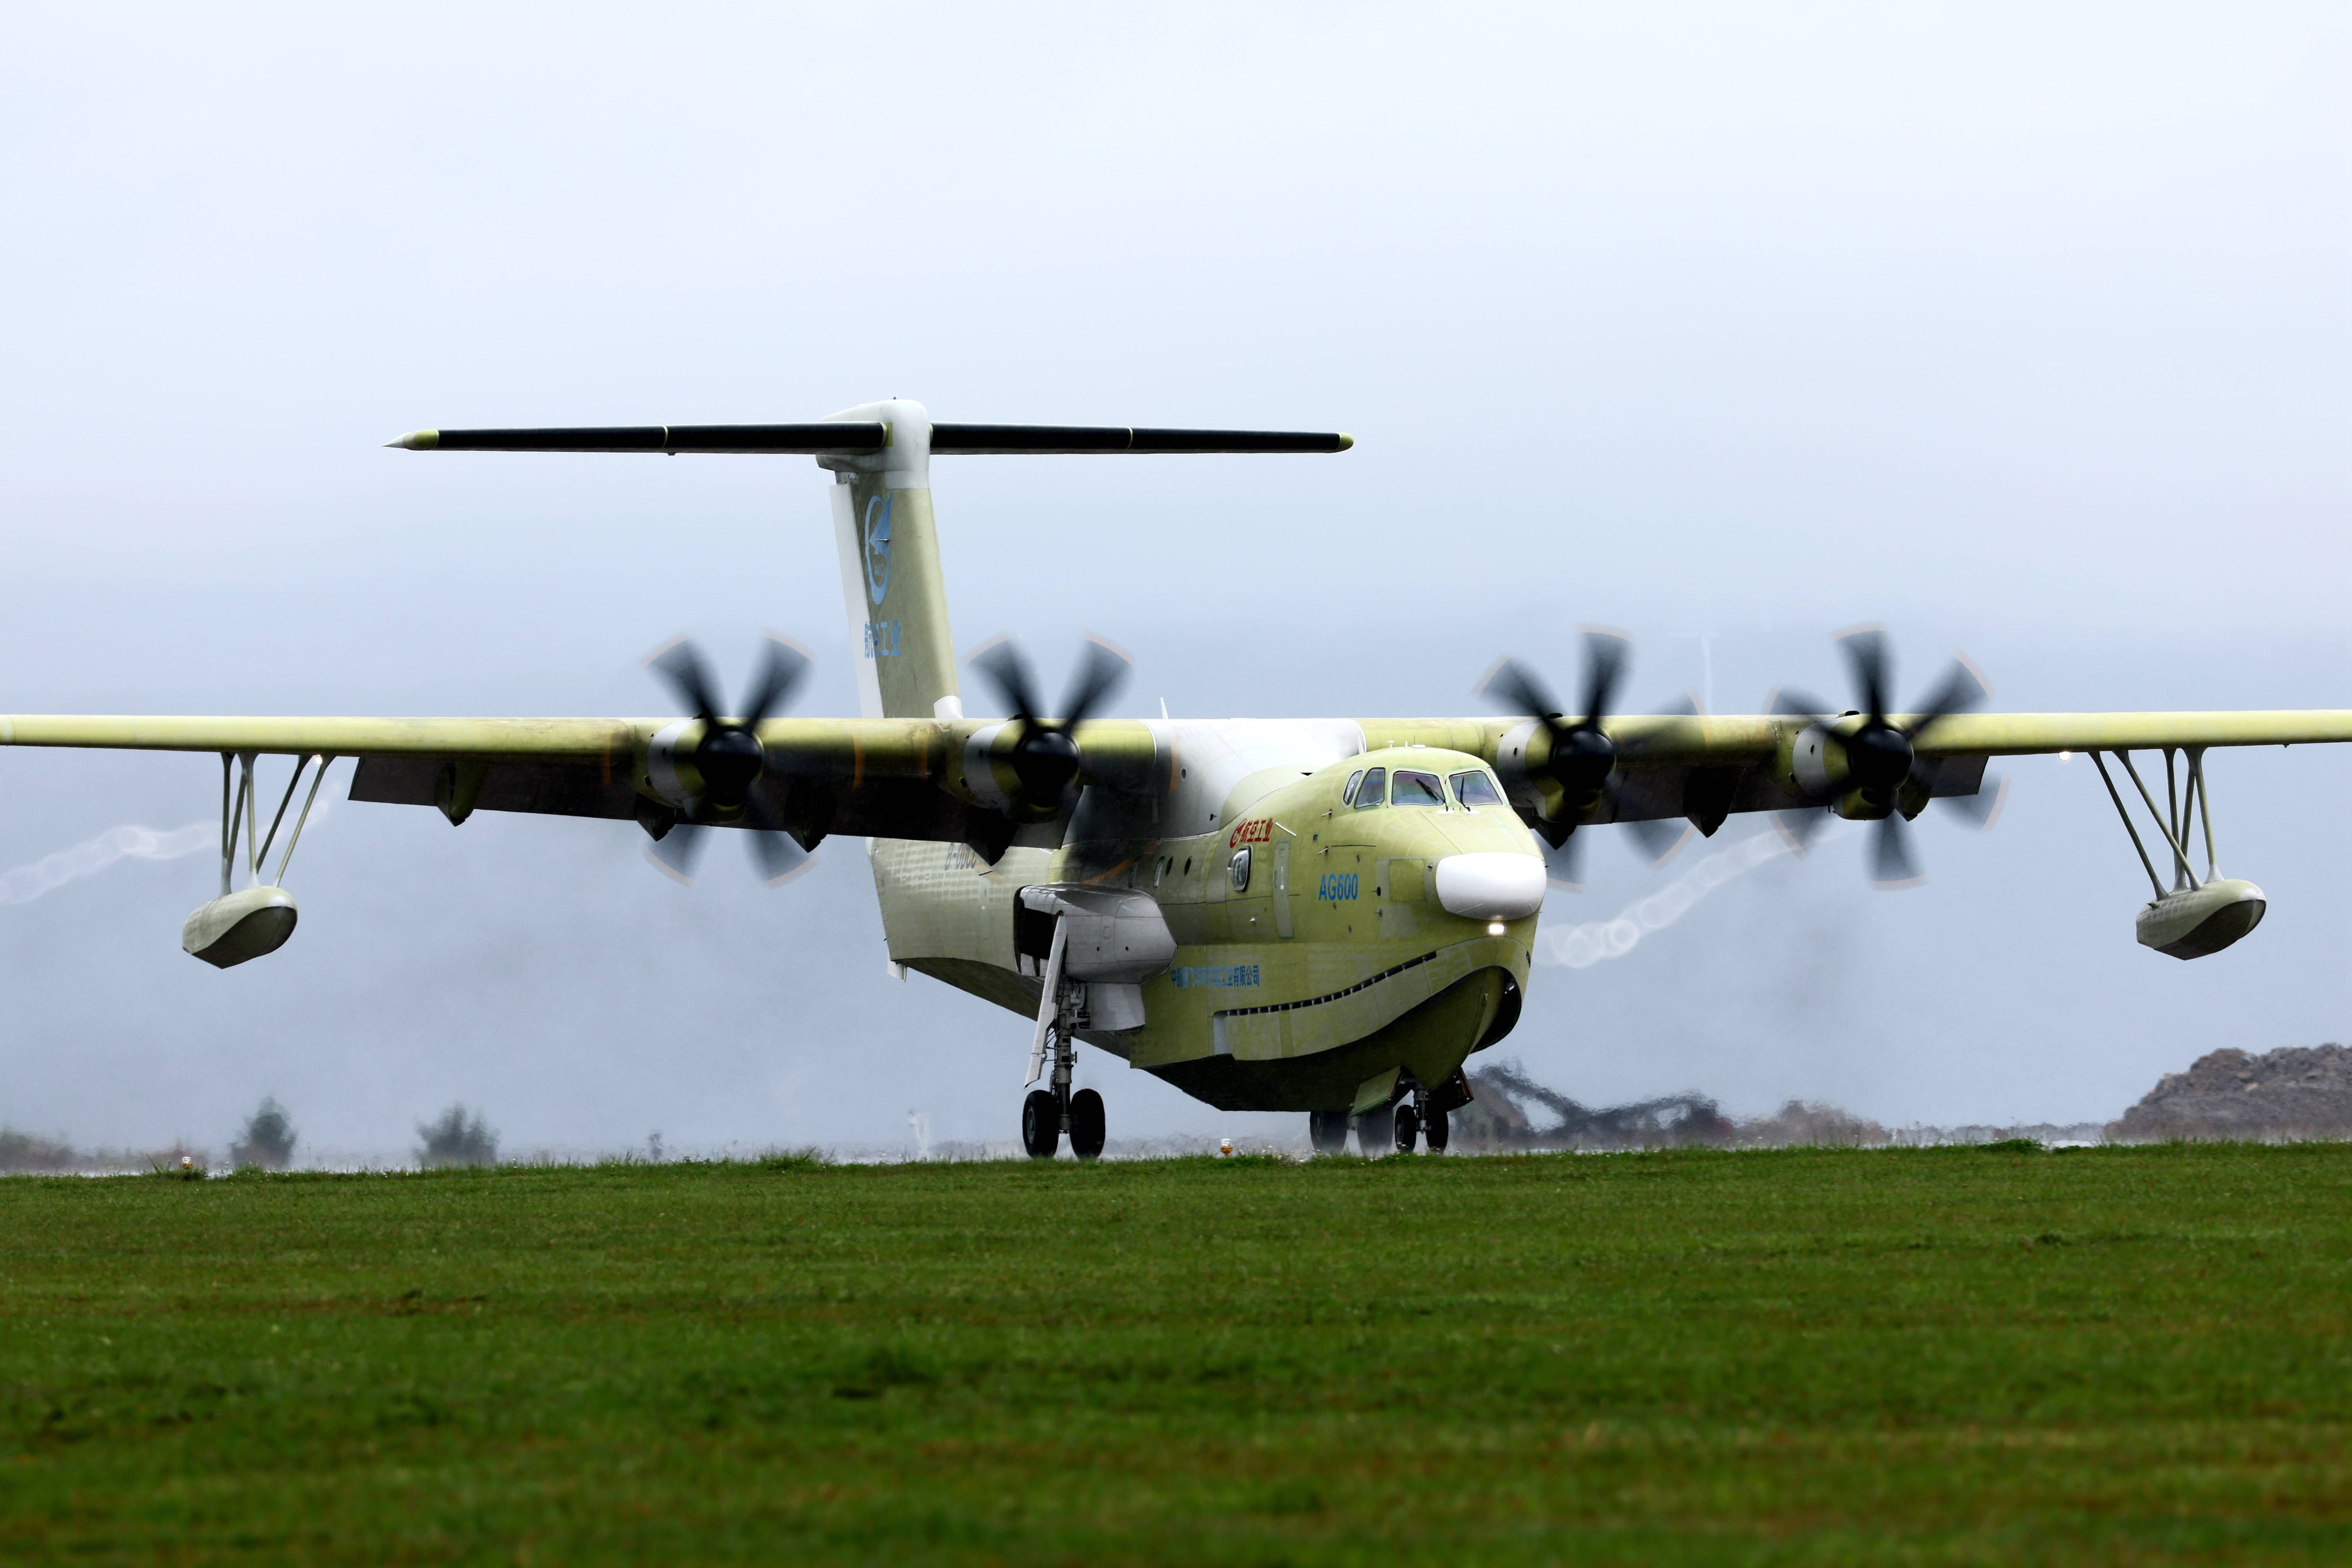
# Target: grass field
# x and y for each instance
(1953, 1355)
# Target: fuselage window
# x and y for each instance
(1347, 795)
(1240, 870)
(1416, 789)
(1375, 786)
(1474, 790)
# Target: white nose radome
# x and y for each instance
(1491, 886)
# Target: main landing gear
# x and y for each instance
(1327, 1131)
(1047, 1113)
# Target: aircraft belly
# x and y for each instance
(1272, 1002)
(1429, 1040)
(1008, 990)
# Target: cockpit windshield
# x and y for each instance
(1474, 790)
(1374, 790)
(1413, 788)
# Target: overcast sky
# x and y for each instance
(2022, 329)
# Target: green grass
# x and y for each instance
(1930, 1356)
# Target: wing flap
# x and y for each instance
(546, 789)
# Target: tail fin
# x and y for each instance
(890, 579)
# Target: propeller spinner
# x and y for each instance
(730, 759)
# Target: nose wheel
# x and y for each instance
(1414, 1122)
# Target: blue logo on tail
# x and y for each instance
(878, 546)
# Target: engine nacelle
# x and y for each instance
(2195, 921)
(1812, 761)
(239, 926)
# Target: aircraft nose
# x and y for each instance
(1491, 884)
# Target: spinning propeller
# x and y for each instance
(730, 759)
(1583, 760)
(1881, 757)
(1045, 756)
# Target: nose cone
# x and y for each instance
(1491, 884)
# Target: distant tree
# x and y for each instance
(268, 1139)
(30, 1151)
(455, 1138)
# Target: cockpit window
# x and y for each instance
(1347, 795)
(1475, 790)
(1416, 789)
(1374, 789)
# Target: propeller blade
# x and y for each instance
(1564, 862)
(1686, 706)
(1801, 826)
(1661, 841)
(1963, 688)
(1604, 665)
(1982, 808)
(1658, 839)
(675, 852)
(1796, 704)
(781, 670)
(1890, 862)
(679, 663)
(1104, 669)
(1866, 650)
(776, 855)
(1510, 684)
(1000, 663)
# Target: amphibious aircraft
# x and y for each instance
(1326, 915)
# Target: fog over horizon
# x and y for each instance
(2021, 331)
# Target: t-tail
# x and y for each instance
(880, 456)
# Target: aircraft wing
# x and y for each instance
(897, 778)
(949, 781)
(1706, 767)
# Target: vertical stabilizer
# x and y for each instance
(890, 577)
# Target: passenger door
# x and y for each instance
(1283, 837)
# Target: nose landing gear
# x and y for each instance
(1418, 1119)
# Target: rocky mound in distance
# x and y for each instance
(2297, 1091)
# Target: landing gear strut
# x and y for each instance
(1049, 1112)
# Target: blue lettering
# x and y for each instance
(1335, 887)
(1220, 976)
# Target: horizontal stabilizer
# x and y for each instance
(830, 436)
(807, 439)
(1071, 439)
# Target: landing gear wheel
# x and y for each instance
(1374, 1129)
(1408, 1128)
(1086, 1124)
(1041, 1124)
(1435, 1132)
(1327, 1131)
